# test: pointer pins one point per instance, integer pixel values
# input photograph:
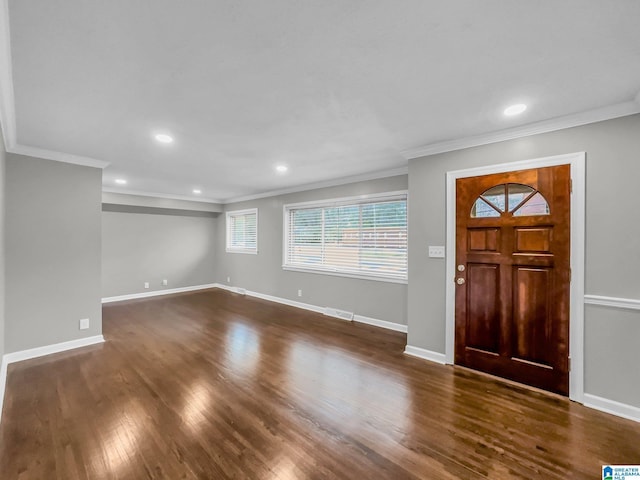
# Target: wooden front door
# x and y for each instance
(513, 274)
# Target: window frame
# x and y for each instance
(239, 213)
(397, 195)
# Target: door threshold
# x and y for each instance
(512, 383)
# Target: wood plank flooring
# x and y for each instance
(214, 385)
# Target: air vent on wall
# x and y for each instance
(341, 314)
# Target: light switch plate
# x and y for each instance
(436, 252)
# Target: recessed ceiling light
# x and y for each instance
(121, 181)
(197, 191)
(164, 138)
(515, 109)
(282, 168)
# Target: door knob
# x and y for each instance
(461, 268)
(460, 281)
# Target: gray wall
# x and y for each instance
(52, 252)
(143, 247)
(263, 272)
(612, 232)
(2, 247)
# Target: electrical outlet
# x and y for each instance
(299, 293)
(228, 279)
(84, 323)
(146, 284)
(165, 282)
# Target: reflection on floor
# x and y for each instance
(215, 385)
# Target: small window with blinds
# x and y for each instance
(242, 231)
(358, 237)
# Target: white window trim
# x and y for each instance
(333, 202)
(338, 273)
(237, 213)
(357, 199)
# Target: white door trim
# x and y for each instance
(576, 322)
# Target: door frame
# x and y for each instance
(577, 161)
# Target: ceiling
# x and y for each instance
(330, 88)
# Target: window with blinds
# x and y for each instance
(351, 237)
(242, 231)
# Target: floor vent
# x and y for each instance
(341, 314)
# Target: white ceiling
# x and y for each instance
(332, 88)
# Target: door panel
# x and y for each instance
(533, 240)
(484, 239)
(482, 304)
(512, 293)
(531, 319)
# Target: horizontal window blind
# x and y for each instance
(365, 238)
(242, 231)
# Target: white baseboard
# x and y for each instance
(271, 298)
(155, 293)
(398, 327)
(225, 287)
(611, 406)
(339, 314)
(425, 354)
(3, 383)
(592, 401)
(49, 349)
(12, 357)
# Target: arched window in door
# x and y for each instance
(510, 198)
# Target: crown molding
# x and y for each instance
(160, 195)
(559, 123)
(301, 188)
(8, 105)
(57, 156)
(8, 126)
(324, 184)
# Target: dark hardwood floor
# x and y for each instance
(214, 385)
